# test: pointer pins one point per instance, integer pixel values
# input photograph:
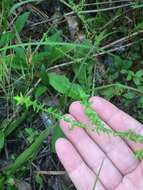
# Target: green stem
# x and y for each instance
(119, 86)
(72, 45)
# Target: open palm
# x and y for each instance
(86, 154)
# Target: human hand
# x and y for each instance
(86, 154)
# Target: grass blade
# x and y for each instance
(28, 153)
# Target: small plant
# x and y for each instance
(136, 77)
(31, 134)
(97, 124)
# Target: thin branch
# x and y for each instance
(110, 22)
(54, 173)
(107, 2)
(122, 39)
(93, 81)
(119, 86)
(113, 49)
(100, 10)
(97, 176)
(69, 63)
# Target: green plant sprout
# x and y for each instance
(98, 124)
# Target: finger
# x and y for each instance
(133, 181)
(92, 155)
(80, 174)
(117, 119)
(114, 147)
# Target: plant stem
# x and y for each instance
(119, 86)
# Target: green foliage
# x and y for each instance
(17, 27)
(139, 154)
(42, 60)
(39, 180)
(27, 155)
(58, 51)
(136, 77)
(40, 90)
(12, 125)
(31, 134)
(2, 138)
(6, 37)
(56, 135)
(62, 84)
(98, 125)
(17, 5)
(20, 22)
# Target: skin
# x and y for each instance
(84, 153)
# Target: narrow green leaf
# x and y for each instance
(57, 133)
(17, 5)
(28, 153)
(2, 138)
(21, 21)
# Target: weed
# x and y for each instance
(39, 59)
(97, 124)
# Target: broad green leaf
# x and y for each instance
(129, 95)
(40, 57)
(76, 92)
(107, 93)
(44, 77)
(137, 81)
(21, 21)
(62, 84)
(121, 64)
(19, 59)
(59, 82)
(130, 75)
(139, 73)
(40, 90)
(139, 26)
(58, 53)
(6, 37)
(140, 103)
(110, 92)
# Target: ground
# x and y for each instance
(56, 52)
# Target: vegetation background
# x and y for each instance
(57, 51)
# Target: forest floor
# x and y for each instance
(47, 48)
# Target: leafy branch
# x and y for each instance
(97, 124)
